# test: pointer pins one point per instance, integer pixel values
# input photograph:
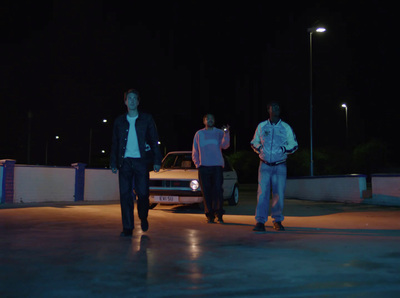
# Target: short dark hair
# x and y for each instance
(273, 103)
(134, 91)
(205, 115)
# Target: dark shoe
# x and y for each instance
(126, 233)
(259, 227)
(145, 225)
(210, 219)
(220, 220)
(278, 226)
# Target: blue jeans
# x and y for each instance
(270, 178)
(133, 174)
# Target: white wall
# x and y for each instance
(57, 184)
(43, 184)
(386, 189)
(101, 185)
(347, 188)
(1, 183)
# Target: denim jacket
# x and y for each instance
(147, 135)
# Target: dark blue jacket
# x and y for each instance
(146, 131)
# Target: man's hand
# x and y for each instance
(226, 128)
(114, 170)
(157, 168)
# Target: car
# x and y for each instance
(177, 182)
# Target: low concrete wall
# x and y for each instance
(34, 184)
(27, 184)
(2, 182)
(385, 189)
(43, 184)
(101, 185)
(346, 188)
(7, 180)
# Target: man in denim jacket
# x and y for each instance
(134, 146)
(273, 141)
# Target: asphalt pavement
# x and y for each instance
(74, 250)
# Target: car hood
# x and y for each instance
(175, 174)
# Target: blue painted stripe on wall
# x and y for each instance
(79, 181)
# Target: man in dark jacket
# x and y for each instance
(134, 146)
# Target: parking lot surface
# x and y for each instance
(74, 250)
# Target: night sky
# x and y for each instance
(66, 64)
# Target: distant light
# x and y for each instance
(103, 151)
(57, 137)
(344, 106)
(104, 120)
(159, 143)
(316, 29)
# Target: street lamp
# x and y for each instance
(347, 123)
(90, 141)
(47, 149)
(311, 31)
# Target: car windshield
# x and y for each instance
(178, 161)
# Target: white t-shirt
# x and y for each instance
(132, 145)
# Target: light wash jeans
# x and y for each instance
(270, 178)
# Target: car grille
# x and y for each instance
(169, 183)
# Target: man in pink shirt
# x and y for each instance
(207, 156)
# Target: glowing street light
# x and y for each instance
(347, 123)
(57, 137)
(311, 31)
(91, 140)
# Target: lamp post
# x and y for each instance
(90, 142)
(47, 149)
(30, 115)
(311, 31)
(347, 123)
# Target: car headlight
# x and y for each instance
(194, 184)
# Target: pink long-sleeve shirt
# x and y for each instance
(207, 145)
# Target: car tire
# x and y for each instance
(153, 205)
(234, 198)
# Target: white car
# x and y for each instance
(178, 183)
